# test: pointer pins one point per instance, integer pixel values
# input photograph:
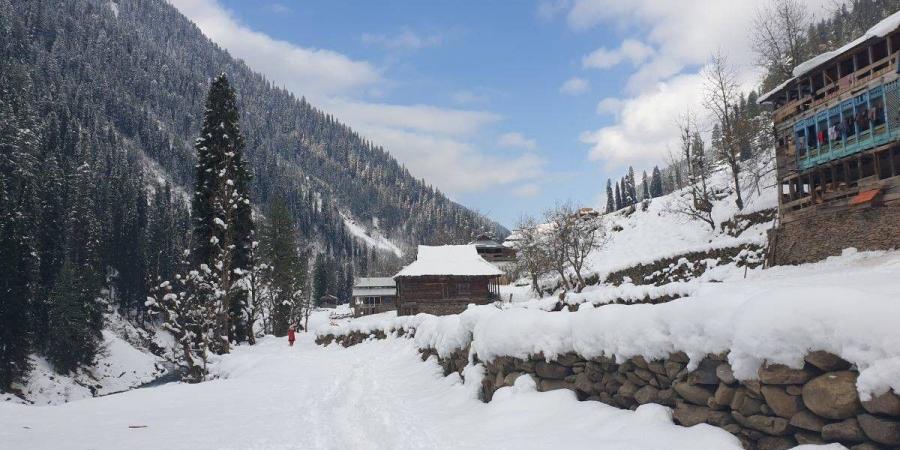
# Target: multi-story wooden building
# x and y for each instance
(497, 254)
(374, 295)
(837, 123)
(445, 280)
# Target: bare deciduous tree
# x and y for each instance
(576, 237)
(531, 254)
(779, 38)
(699, 204)
(721, 96)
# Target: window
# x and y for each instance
(879, 50)
(811, 136)
(822, 135)
(462, 288)
(849, 126)
(862, 59)
(801, 143)
(877, 113)
(846, 67)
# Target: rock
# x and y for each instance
(705, 373)
(827, 362)
(673, 368)
(866, 446)
(639, 361)
(782, 403)
(551, 371)
(781, 374)
(720, 418)
(568, 359)
(794, 389)
(689, 415)
(644, 374)
(774, 426)
(832, 395)
(679, 357)
(510, 379)
(666, 397)
(657, 368)
(754, 388)
(724, 395)
(775, 443)
(646, 394)
(744, 403)
(627, 390)
(552, 385)
(808, 421)
(693, 393)
(725, 374)
(630, 376)
(807, 438)
(583, 383)
(881, 430)
(844, 431)
(887, 403)
(732, 428)
(487, 389)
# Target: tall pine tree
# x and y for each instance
(610, 200)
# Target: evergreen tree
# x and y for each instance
(618, 198)
(610, 200)
(221, 212)
(320, 278)
(632, 188)
(287, 277)
(656, 185)
(645, 187)
(73, 342)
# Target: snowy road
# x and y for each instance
(377, 395)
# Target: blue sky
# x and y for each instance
(507, 106)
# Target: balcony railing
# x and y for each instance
(868, 120)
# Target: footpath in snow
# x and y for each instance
(377, 395)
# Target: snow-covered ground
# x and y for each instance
(123, 364)
(376, 395)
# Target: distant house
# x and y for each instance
(502, 256)
(329, 301)
(445, 280)
(373, 295)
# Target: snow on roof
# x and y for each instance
(881, 29)
(374, 282)
(460, 260)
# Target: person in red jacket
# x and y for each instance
(291, 336)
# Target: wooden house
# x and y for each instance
(445, 280)
(373, 296)
(837, 128)
(502, 256)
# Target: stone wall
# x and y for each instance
(687, 266)
(785, 407)
(825, 234)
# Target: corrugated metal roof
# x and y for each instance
(374, 282)
(374, 292)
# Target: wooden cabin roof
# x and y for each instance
(449, 260)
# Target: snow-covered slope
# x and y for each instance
(661, 231)
(373, 238)
(124, 363)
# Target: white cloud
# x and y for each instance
(433, 142)
(574, 86)
(549, 9)
(405, 40)
(423, 118)
(454, 165)
(527, 190)
(630, 50)
(676, 41)
(305, 71)
(516, 140)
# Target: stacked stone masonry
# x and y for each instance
(828, 233)
(783, 408)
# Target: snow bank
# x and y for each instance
(777, 315)
(121, 365)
